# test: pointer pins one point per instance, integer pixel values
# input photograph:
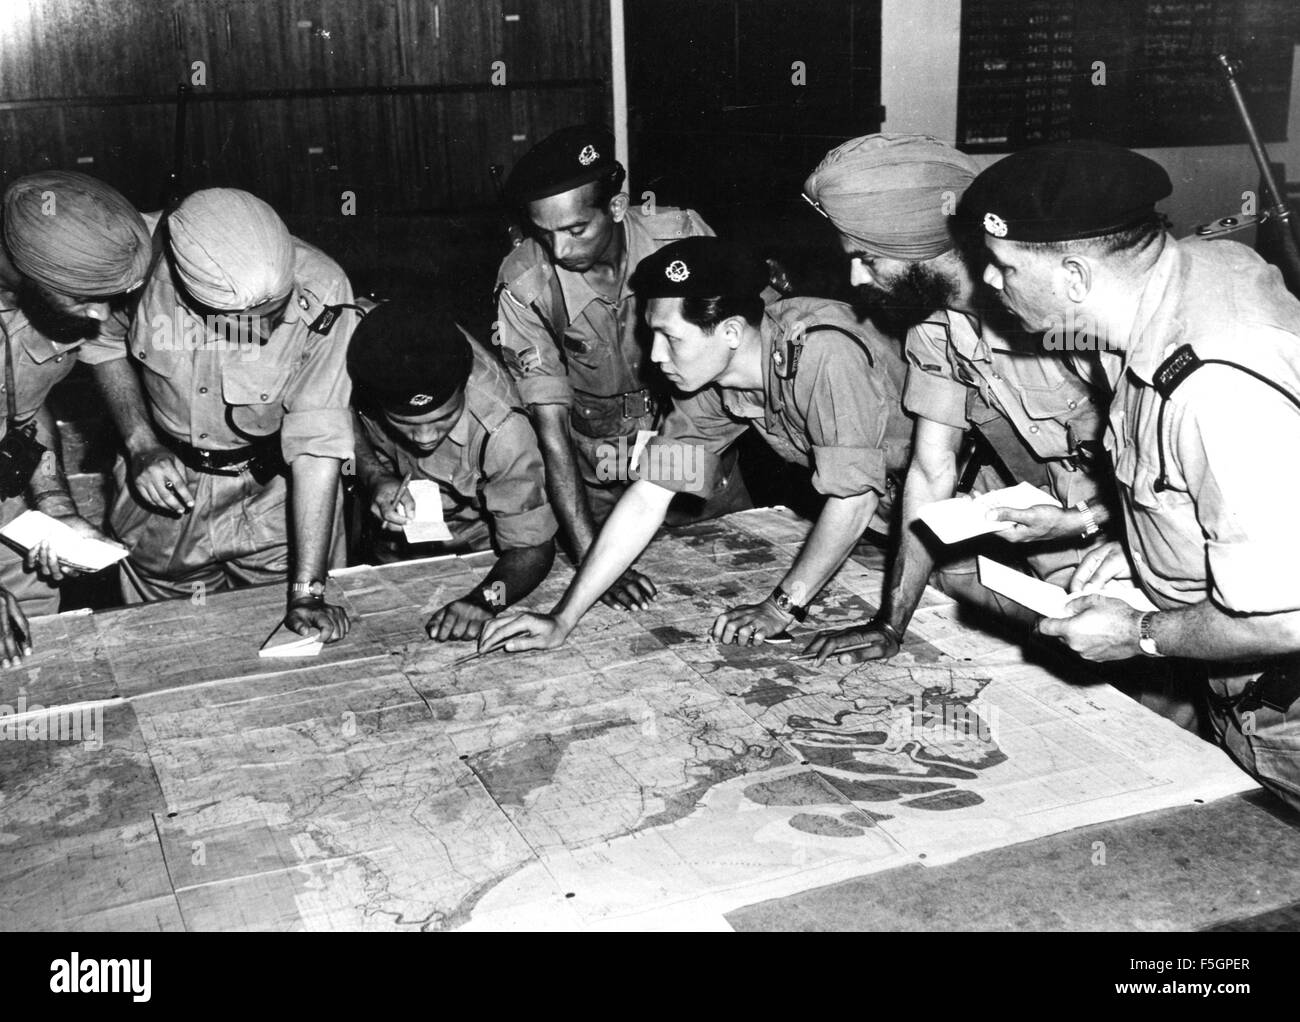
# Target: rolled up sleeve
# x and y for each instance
(1227, 441)
(686, 455)
(846, 407)
(514, 487)
(318, 418)
(932, 391)
(530, 354)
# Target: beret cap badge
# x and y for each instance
(588, 156)
(995, 225)
(677, 271)
(419, 400)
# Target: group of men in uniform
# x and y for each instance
(633, 348)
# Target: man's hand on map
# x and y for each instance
(1038, 523)
(824, 645)
(1098, 628)
(460, 619)
(1099, 566)
(15, 635)
(518, 632)
(631, 591)
(751, 623)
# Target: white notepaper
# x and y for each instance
(72, 548)
(1046, 599)
(426, 525)
(962, 518)
(284, 643)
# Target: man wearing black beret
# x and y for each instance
(1207, 393)
(891, 199)
(431, 404)
(568, 329)
(821, 388)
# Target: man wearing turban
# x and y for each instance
(893, 200)
(237, 423)
(73, 250)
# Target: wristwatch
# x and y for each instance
(1090, 526)
(1147, 640)
(786, 605)
(315, 589)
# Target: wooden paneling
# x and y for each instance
(426, 149)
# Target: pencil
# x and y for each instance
(843, 649)
(401, 491)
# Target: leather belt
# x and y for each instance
(222, 463)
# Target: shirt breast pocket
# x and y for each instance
(1138, 477)
(254, 395)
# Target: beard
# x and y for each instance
(48, 319)
(908, 299)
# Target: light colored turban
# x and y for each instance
(232, 251)
(75, 234)
(892, 194)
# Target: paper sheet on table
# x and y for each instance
(1043, 597)
(82, 552)
(965, 517)
(427, 525)
(284, 643)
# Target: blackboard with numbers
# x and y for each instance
(1139, 73)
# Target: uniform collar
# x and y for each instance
(40, 349)
(637, 243)
(1160, 300)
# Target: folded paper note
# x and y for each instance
(1043, 597)
(284, 643)
(426, 525)
(965, 517)
(73, 549)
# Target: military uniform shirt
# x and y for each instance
(217, 395)
(489, 462)
(1225, 527)
(39, 362)
(603, 352)
(840, 414)
(962, 374)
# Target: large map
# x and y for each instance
(641, 776)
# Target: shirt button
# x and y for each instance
(203, 390)
(1033, 429)
(997, 377)
(58, 358)
(203, 436)
(1074, 404)
(264, 397)
(143, 356)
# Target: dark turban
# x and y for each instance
(892, 194)
(75, 235)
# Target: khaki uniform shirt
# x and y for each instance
(218, 395)
(1225, 526)
(603, 350)
(839, 413)
(39, 362)
(963, 374)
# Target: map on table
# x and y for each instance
(640, 776)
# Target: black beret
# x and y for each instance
(408, 358)
(700, 267)
(568, 159)
(1065, 190)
